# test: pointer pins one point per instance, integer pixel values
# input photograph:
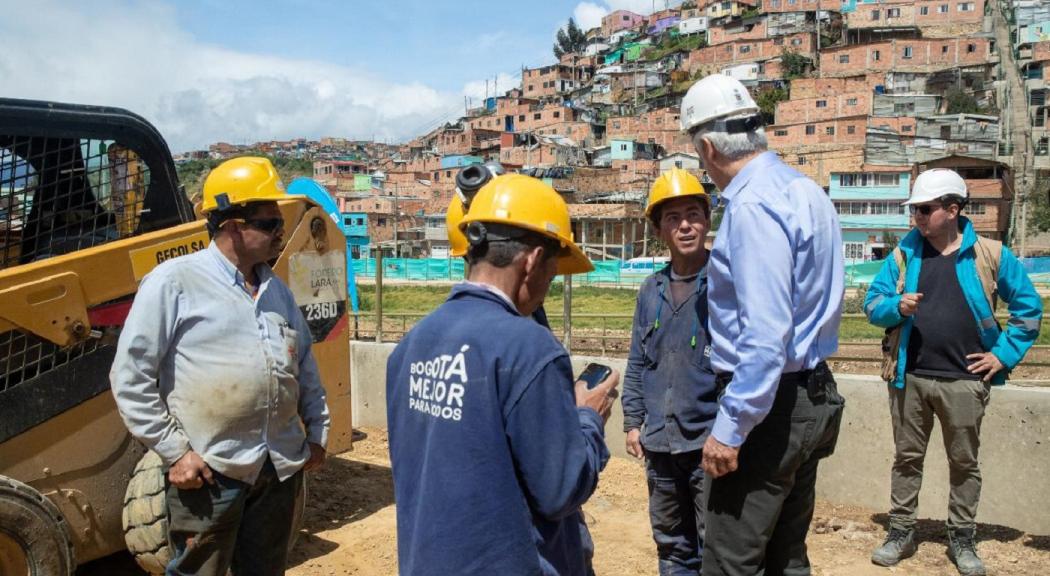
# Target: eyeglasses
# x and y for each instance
(268, 225)
(924, 209)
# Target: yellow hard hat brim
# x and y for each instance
(575, 262)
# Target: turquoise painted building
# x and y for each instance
(870, 212)
(621, 149)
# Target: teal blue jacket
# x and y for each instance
(881, 304)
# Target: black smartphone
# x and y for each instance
(594, 373)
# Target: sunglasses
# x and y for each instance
(925, 209)
(268, 225)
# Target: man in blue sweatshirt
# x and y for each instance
(493, 447)
(669, 395)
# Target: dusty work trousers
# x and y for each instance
(676, 510)
(959, 405)
(232, 525)
(757, 517)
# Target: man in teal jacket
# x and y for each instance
(951, 350)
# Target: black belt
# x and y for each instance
(802, 378)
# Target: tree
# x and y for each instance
(795, 64)
(569, 39)
(960, 102)
(767, 102)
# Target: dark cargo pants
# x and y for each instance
(757, 517)
(676, 510)
(232, 525)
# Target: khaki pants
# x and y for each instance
(959, 405)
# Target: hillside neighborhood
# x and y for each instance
(860, 95)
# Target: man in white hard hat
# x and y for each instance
(950, 351)
(775, 287)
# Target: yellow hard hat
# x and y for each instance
(241, 180)
(675, 183)
(457, 240)
(525, 202)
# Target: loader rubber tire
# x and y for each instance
(34, 536)
(145, 515)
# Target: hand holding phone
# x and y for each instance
(594, 373)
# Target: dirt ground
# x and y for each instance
(350, 529)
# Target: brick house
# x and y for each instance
(844, 130)
(552, 80)
(943, 18)
(620, 20)
(868, 203)
(752, 29)
(711, 59)
(922, 55)
(814, 87)
(833, 105)
(660, 127)
(781, 6)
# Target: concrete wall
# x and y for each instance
(1014, 460)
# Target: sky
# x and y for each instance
(242, 71)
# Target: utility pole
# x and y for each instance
(397, 218)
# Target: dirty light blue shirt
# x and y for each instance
(775, 287)
(202, 365)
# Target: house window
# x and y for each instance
(780, 132)
(971, 48)
(906, 128)
(745, 49)
(822, 103)
(901, 108)
(843, 58)
(875, 14)
(944, 49)
(537, 116)
(830, 130)
(729, 48)
(774, 4)
(791, 2)
(677, 163)
(907, 52)
(626, 18)
(893, 13)
(529, 88)
(521, 117)
(623, 147)
(778, 41)
(976, 208)
(557, 113)
(888, 179)
(942, 9)
(381, 221)
(853, 250)
(811, 130)
(924, 10)
(946, 132)
(796, 41)
(623, 168)
(801, 160)
(966, 7)
(851, 101)
(616, 124)
(851, 129)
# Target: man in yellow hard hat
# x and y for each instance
(493, 447)
(669, 397)
(214, 373)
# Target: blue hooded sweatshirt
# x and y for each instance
(491, 457)
(882, 303)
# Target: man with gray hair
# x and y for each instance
(775, 287)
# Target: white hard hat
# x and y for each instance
(935, 184)
(714, 97)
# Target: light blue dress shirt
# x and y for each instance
(775, 287)
(202, 365)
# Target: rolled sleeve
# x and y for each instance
(632, 399)
(142, 346)
(762, 277)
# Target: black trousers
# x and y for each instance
(757, 517)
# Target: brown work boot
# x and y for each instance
(899, 544)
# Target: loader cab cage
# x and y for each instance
(71, 177)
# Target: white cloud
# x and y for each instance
(589, 15)
(137, 57)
